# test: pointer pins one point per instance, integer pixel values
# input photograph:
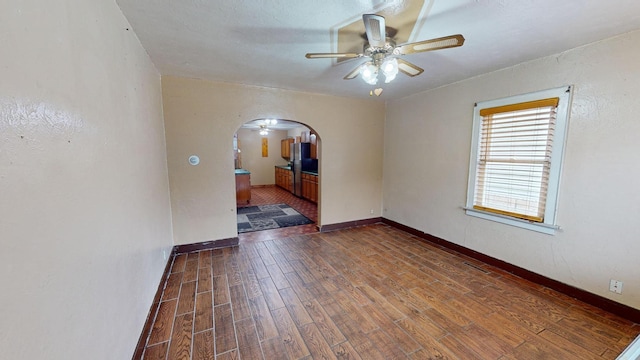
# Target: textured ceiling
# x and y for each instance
(263, 43)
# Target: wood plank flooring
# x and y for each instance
(370, 292)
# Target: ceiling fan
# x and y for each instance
(384, 54)
(263, 126)
(264, 131)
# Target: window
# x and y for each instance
(516, 156)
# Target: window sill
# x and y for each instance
(538, 227)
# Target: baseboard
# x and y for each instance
(263, 186)
(611, 306)
(146, 329)
(206, 245)
(349, 224)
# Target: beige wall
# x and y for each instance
(201, 118)
(261, 168)
(428, 135)
(295, 132)
(85, 211)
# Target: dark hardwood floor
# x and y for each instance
(371, 292)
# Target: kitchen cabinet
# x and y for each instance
(288, 180)
(314, 146)
(243, 186)
(284, 178)
(278, 176)
(285, 148)
(310, 187)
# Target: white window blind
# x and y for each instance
(514, 159)
(517, 147)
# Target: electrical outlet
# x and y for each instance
(164, 254)
(615, 286)
(372, 211)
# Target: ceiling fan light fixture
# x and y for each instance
(390, 69)
(369, 73)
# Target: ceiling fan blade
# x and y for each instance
(374, 25)
(409, 68)
(354, 73)
(331, 55)
(430, 45)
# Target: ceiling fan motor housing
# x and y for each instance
(378, 54)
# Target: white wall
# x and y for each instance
(84, 211)
(427, 143)
(201, 118)
(262, 168)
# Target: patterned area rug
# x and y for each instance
(265, 217)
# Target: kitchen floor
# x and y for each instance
(371, 292)
(266, 195)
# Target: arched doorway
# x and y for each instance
(277, 178)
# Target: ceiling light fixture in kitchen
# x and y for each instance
(264, 131)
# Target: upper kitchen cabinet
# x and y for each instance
(314, 146)
(309, 136)
(306, 136)
(285, 148)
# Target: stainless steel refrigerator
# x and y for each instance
(299, 152)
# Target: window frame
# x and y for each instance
(549, 225)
